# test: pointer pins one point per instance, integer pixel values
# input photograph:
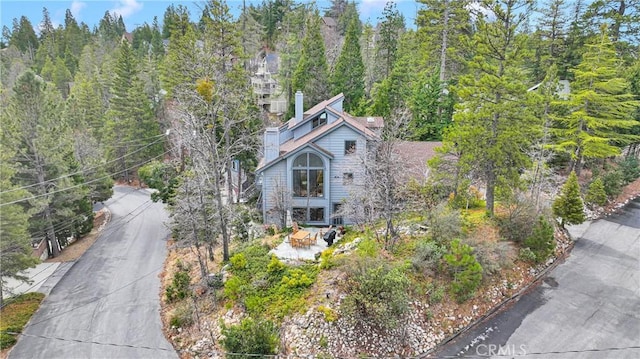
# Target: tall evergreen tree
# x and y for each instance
(599, 107)
(492, 126)
(43, 149)
(24, 37)
(311, 72)
(15, 245)
(442, 26)
(393, 93)
(391, 28)
(131, 130)
(348, 75)
(431, 109)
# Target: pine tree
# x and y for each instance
(431, 111)
(568, 205)
(541, 241)
(131, 128)
(15, 246)
(394, 92)
(43, 148)
(391, 28)
(599, 107)
(311, 72)
(493, 128)
(467, 272)
(348, 75)
(596, 193)
(24, 37)
(442, 26)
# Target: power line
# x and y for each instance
(84, 183)
(83, 170)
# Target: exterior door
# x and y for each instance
(337, 220)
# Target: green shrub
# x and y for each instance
(467, 198)
(330, 315)
(238, 261)
(182, 315)
(179, 287)
(324, 343)
(444, 223)
(296, 278)
(492, 256)
(327, 260)
(596, 193)
(368, 248)
(15, 315)
(541, 242)
(233, 287)
(527, 255)
(275, 266)
(629, 169)
(465, 269)
(516, 220)
(613, 182)
(435, 293)
(250, 337)
(427, 256)
(376, 292)
(255, 303)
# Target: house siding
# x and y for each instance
(271, 177)
(327, 189)
(302, 130)
(342, 163)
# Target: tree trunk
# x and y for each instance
(491, 185)
(53, 245)
(445, 34)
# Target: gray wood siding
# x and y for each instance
(272, 176)
(285, 136)
(302, 130)
(341, 163)
(331, 118)
(313, 201)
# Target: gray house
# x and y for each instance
(312, 162)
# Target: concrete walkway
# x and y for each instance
(286, 251)
(43, 278)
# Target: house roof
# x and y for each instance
(414, 155)
(293, 145)
(315, 110)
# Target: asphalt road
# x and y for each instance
(587, 307)
(107, 305)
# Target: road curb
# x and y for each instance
(514, 298)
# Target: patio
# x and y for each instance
(286, 251)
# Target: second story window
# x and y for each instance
(347, 178)
(319, 121)
(308, 176)
(349, 147)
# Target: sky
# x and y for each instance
(137, 12)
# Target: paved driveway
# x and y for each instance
(587, 307)
(107, 305)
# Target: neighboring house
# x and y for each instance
(312, 162)
(269, 94)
